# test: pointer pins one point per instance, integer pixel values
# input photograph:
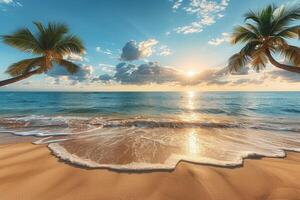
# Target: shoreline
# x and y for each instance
(183, 161)
(30, 172)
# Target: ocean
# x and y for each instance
(153, 130)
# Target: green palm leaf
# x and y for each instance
(284, 16)
(243, 34)
(266, 33)
(71, 67)
(251, 15)
(259, 60)
(290, 32)
(52, 42)
(237, 62)
(23, 40)
(292, 54)
(251, 47)
(69, 44)
(24, 66)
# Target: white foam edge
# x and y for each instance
(170, 163)
(38, 133)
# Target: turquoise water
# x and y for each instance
(146, 131)
(252, 104)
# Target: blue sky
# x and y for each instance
(173, 33)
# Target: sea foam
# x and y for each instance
(148, 143)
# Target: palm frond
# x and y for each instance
(41, 28)
(292, 54)
(52, 42)
(42, 35)
(252, 28)
(267, 32)
(70, 44)
(58, 28)
(242, 34)
(266, 19)
(24, 66)
(259, 60)
(237, 62)
(241, 59)
(23, 40)
(277, 43)
(251, 15)
(71, 67)
(50, 35)
(290, 32)
(283, 17)
(55, 33)
(251, 47)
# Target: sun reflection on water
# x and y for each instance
(189, 104)
(190, 99)
(193, 144)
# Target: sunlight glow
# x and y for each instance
(190, 73)
(193, 144)
(190, 98)
(189, 103)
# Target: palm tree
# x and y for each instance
(264, 34)
(51, 43)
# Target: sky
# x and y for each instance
(143, 45)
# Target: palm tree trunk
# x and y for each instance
(18, 78)
(282, 66)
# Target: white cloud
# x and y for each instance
(145, 47)
(164, 50)
(146, 73)
(195, 27)
(109, 69)
(135, 51)
(218, 41)
(206, 12)
(11, 3)
(98, 49)
(104, 51)
(177, 4)
(6, 1)
(76, 57)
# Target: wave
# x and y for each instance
(156, 143)
(291, 110)
(212, 111)
(60, 125)
(170, 164)
(168, 124)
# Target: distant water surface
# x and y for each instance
(154, 130)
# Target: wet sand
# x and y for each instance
(30, 172)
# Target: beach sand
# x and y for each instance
(30, 172)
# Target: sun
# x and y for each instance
(190, 73)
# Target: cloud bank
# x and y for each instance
(60, 74)
(153, 72)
